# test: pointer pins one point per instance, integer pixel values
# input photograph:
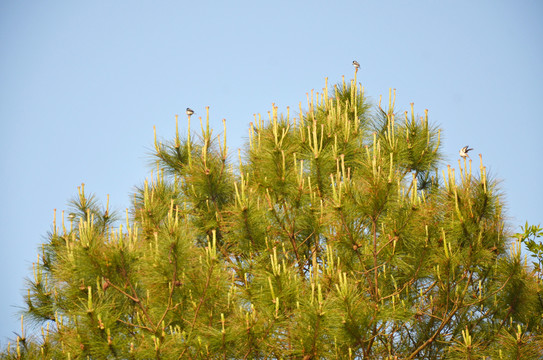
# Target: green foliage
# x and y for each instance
(335, 236)
(528, 237)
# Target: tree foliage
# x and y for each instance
(334, 235)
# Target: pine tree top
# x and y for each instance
(336, 234)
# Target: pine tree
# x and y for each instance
(334, 235)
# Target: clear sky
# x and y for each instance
(83, 82)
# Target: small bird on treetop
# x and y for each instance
(464, 151)
(356, 64)
(190, 111)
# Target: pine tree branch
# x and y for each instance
(289, 235)
(170, 295)
(412, 182)
(248, 228)
(137, 301)
(387, 243)
(365, 272)
(376, 272)
(134, 297)
(313, 346)
(477, 302)
(505, 318)
(136, 325)
(197, 311)
(445, 320)
(375, 333)
(266, 333)
(109, 283)
(406, 284)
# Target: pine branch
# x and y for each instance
(197, 311)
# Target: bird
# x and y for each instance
(190, 111)
(464, 151)
(356, 64)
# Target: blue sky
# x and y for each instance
(83, 83)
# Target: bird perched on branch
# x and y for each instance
(356, 64)
(190, 111)
(464, 151)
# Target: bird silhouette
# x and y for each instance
(464, 151)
